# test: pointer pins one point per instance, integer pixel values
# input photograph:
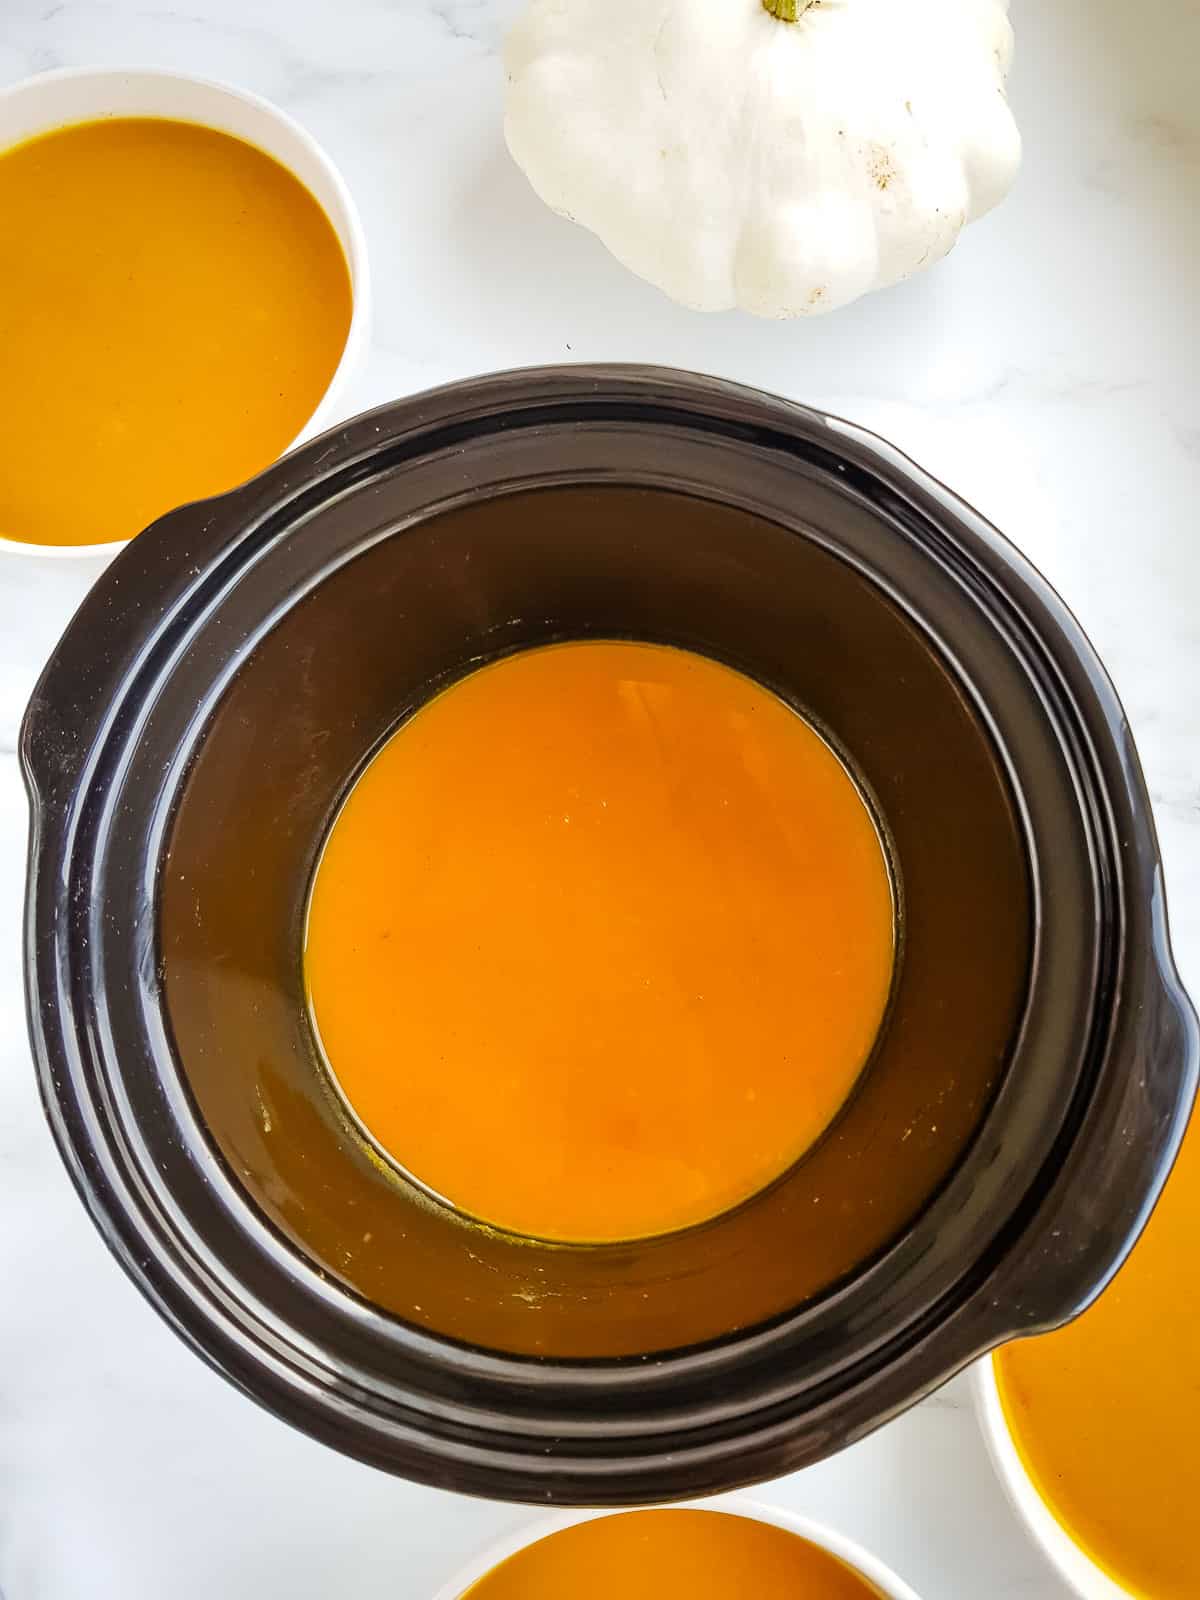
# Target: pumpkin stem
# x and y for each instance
(786, 10)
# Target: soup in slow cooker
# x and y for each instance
(600, 941)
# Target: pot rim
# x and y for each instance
(1026, 1278)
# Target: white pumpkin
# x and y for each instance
(785, 156)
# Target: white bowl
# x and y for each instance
(1074, 1566)
(548, 1522)
(57, 99)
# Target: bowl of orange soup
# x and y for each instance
(723, 1549)
(594, 934)
(183, 296)
(1091, 1427)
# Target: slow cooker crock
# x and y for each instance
(195, 732)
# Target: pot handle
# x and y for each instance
(80, 688)
(1120, 1160)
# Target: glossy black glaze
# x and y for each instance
(1061, 1171)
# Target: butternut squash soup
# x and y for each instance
(1105, 1413)
(600, 941)
(673, 1555)
(173, 305)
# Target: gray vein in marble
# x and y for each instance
(472, 20)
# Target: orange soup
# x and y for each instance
(173, 305)
(1106, 1412)
(600, 941)
(673, 1555)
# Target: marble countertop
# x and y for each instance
(1047, 371)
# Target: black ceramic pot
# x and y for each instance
(224, 682)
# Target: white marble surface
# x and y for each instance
(1047, 370)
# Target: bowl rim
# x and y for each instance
(860, 1561)
(348, 228)
(1065, 1554)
